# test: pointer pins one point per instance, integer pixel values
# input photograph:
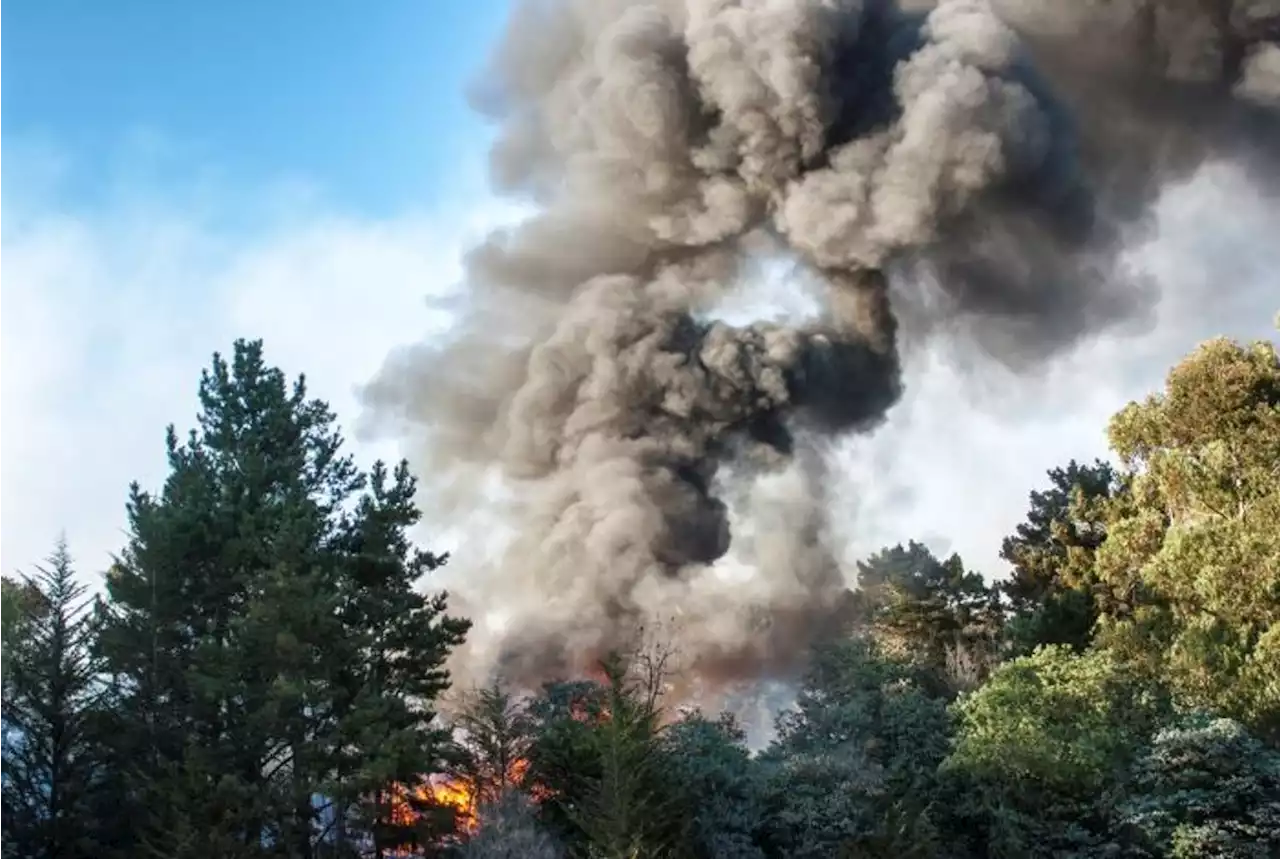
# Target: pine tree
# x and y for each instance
(600, 765)
(51, 769)
(497, 730)
(396, 640)
(1052, 589)
(934, 612)
(22, 601)
(273, 662)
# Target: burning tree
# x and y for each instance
(489, 761)
(597, 760)
(495, 733)
(584, 757)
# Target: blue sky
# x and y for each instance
(366, 99)
(179, 174)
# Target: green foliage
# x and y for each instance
(263, 629)
(622, 811)
(1195, 549)
(626, 807)
(10, 617)
(934, 612)
(497, 731)
(853, 766)
(1043, 749)
(1052, 589)
(601, 765)
(1055, 719)
(261, 678)
(397, 640)
(563, 757)
(52, 772)
(722, 789)
(22, 603)
(1205, 787)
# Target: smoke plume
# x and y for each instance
(968, 165)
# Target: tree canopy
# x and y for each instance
(263, 673)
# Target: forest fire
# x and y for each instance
(458, 796)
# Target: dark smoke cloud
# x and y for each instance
(1156, 87)
(947, 163)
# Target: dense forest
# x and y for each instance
(261, 676)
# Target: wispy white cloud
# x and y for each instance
(110, 312)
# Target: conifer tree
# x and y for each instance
(497, 734)
(51, 769)
(934, 612)
(1052, 591)
(629, 811)
(21, 601)
(396, 640)
(1206, 787)
(275, 665)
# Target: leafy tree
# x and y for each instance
(51, 767)
(1057, 719)
(1042, 751)
(1052, 588)
(852, 769)
(1205, 787)
(261, 680)
(1195, 551)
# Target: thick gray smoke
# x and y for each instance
(948, 163)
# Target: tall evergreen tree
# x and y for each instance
(497, 729)
(930, 610)
(852, 768)
(601, 767)
(1052, 589)
(21, 602)
(273, 662)
(51, 769)
(629, 810)
(397, 641)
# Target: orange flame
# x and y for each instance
(459, 795)
(581, 711)
(456, 794)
